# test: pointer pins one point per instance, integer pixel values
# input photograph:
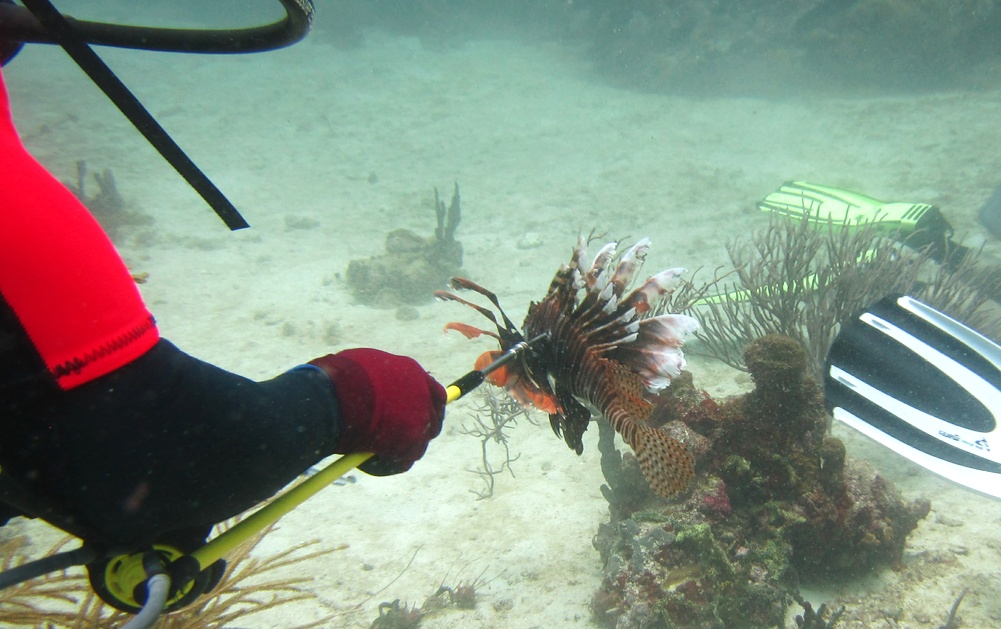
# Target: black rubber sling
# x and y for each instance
(103, 77)
(67, 35)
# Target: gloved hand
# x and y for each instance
(390, 406)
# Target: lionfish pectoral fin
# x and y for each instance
(468, 331)
(461, 283)
(665, 463)
(518, 387)
(556, 421)
(498, 377)
(447, 296)
(528, 394)
(486, 358)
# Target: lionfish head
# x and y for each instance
(525, 380)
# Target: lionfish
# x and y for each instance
(596, 349)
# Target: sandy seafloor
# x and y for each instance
(355, 139)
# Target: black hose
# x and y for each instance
(45, 565)
(88, 60)
(18, 24)
(41, 22)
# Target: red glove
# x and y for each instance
(390, 406)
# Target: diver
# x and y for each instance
(114, 434)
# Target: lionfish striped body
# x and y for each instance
(599, 350)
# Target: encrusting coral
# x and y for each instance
(776, 500)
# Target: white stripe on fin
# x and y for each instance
(630, 263)
(655, 286)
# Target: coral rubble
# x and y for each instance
(776, 500)
(412, 267)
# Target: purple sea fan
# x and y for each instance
(597, 348)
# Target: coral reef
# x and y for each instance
(881, 44)
(107, 205)
(950, 621)
(776, 500)
(690, 46)
(921, 43)
(412, 267)
(53, 601)
(810, 619)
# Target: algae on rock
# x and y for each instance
(776, 500)
(413, 267)
(107, 205)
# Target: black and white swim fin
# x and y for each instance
(924, 385)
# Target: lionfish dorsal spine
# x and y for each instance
(656, 354)
(655, 287)
(625, 324)
(608, 298)
(600, 264)
(629, 264)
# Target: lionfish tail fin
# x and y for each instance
(665, 463)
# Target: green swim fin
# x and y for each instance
(915, 224)
(923, 384)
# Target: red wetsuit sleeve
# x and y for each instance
(60, 273)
